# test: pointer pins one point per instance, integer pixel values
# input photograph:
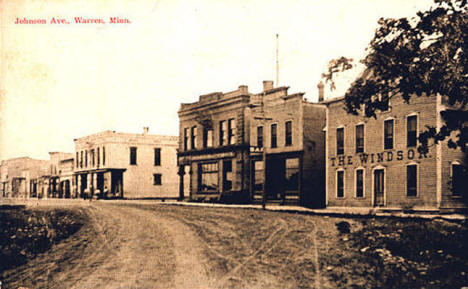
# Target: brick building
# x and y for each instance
(126, 165)
(224, 138)
(375, 162)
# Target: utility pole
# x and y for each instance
(264, 120)
(277, 60)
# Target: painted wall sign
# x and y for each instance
(385, 156)
(256, 149)
(186, 160)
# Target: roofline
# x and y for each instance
(332, 100)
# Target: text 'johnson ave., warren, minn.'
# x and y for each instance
(76, 20)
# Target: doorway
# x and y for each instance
(379, 187)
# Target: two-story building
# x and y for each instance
(213, 154)
(287, 132)
(374, 162)
(116, 164)
(224, 138)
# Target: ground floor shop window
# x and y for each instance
(208, 177)
(258, 176)
(292, 174)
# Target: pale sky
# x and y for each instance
(60, 82)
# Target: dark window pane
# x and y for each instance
(274, 135)
(411, 180)
(157, 156)
(339, 184)
(340, 141)
(288, 133)
(133, 155)
(157, 179)
(411, 131)
(459, 180)
(260, 136)
(360, 138)
(185, 139)
(388, 134)
(359, 183)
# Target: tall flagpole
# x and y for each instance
(277, 60)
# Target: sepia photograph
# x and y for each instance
(233, 144)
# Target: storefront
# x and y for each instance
(105, 183)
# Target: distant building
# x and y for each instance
(375, 162)
(126, 165)
(18, 176)
(224, 138)
(56, 180)
(67, 185)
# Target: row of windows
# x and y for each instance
(227, 135)
(157, 156)
(459, 181)
(411, 182)
(94, 158)
(274, 135)
(389, 140)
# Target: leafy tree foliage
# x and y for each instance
(420, 56)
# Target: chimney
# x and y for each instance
(243, 89)
(320, 87)
(145, 130)
(267, 85)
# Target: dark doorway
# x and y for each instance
(117, 184)
(275, 178)
(227, 175)
(66, 186)
(84, 182)
(379, 187)
(100, 184)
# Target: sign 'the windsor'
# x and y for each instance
(385, 156)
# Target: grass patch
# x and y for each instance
(26, 233)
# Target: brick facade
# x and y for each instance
(294, 159)
(429, 190)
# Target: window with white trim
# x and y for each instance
(359, 138)
(340, 141)
(411, 130)
(388, 134)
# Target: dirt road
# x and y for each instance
(123, 247)
(151, 245)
